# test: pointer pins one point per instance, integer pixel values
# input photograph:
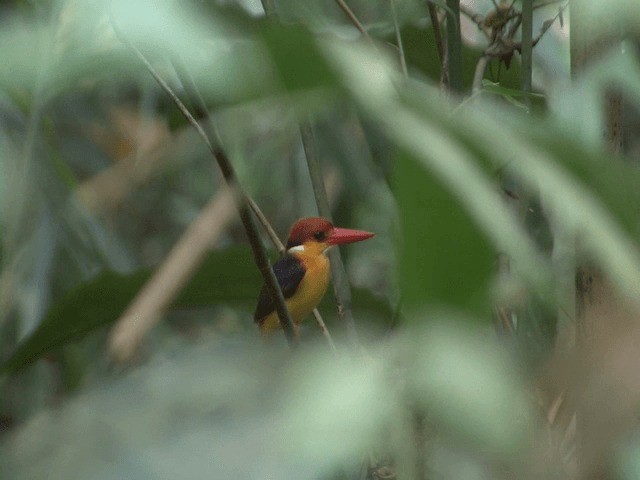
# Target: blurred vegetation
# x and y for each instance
(484, 349)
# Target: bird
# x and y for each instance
(303, 270)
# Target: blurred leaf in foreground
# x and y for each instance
(240, 411)
(444, 259)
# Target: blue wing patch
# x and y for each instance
(289, 272)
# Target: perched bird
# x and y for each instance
(303, 271)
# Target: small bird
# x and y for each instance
(303, 271)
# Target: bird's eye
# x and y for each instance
(319, 236)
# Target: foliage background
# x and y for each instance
(464, 368)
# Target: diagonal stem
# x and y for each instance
(198, 103)
(437, 31)
(259, 251)
(454, 45)
(396, 26)
(353, 19)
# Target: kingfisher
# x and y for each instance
(303, 271)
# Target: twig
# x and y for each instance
(478, 75)
(259, 251)
(437, 31)
(526, 68)
(340, 282)
(196, 100)
(473, 16)
(161, 289)
(444, 73)
(351, 16)
(547, 24)
(454, 45)
(271, 233)
(502, 47)
(403, 62)
(269, 7)
(269, 10)
(195, 97)
(504, 321)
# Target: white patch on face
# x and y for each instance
(297, 248)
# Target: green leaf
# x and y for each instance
(296, 55)
(444, 258)
(226, 277)
(428, 135)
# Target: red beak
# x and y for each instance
(346, 235)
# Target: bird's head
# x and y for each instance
(317, 234)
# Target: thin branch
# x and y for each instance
(545, 27)
(472, 15)
(502, 47)
(526, 69)
(514, 27)
(341, 287)
(198, 102)
(478, 75)
(504, 324)
(454, 45)
(271, 233)
(403, 62)
(269, 10)
(269, 7)
(547, 24)
(351, 16)
(437, 31)
(259, 251)
(444, 73)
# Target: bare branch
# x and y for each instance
(437, 31)
(454, 46)
(403, 62)
(269, 7)
(351, 16)
(473, 16)
(196, 98)
(259, 251)
(478, 75)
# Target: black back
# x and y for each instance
(289, 272)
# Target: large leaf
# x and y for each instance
(374, 86)
(247, 412)
(297, 58)
(227, 277)
(102, 299)
(444, 259)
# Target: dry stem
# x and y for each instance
(174, 273)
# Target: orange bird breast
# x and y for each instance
(303, 276)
